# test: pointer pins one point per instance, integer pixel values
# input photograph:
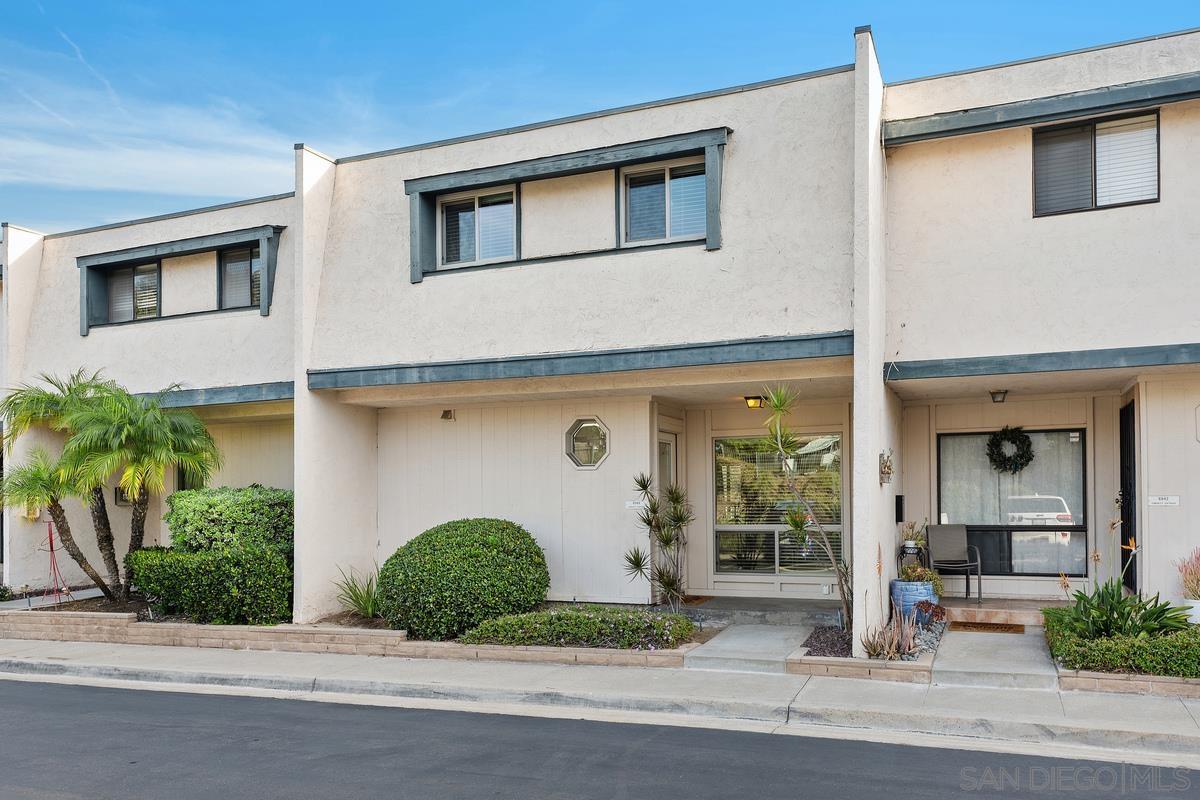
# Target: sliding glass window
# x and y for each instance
(1030, 523)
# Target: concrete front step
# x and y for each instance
(994, 660)
(997, 612)
(749, 648)
(994, 680)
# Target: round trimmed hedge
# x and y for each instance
(456, 575)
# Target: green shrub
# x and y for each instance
(1173, 654)
(586, 626)
(204, 519)
(245, 584)
(456, 575)
(1107, 611)
(5, 593)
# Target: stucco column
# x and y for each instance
(336, 463)
(876, 410)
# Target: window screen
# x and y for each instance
(241, 278)
(480, 228)
(1126, 160)
(1096, 164)
(665, 203)
(133, 293)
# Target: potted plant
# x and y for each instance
(912, 536)
(916, 583)
(1189, 576)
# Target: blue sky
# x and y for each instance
(115, 110)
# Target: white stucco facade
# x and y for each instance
(891, 283)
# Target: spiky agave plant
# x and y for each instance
(665, 519)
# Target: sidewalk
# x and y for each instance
(1128, 726)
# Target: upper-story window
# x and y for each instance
(663, 202)
(1098, 164)
(133, 293)
(241, 277)
(478, 227)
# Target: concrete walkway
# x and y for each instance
(749, 648)
(1127, 727)
(995, 660)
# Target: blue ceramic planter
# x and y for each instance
(906, 594)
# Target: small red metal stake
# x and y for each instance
(58, 588)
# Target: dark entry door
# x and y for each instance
(1128, 495)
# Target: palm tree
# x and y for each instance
(43, 483)
(139, 439)
(49, 404)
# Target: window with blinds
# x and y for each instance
(478, 228)
(1095, 165)
(752, 499)
(665, 202)
(133, 293)
(241, 278)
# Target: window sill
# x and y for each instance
(185, 315)
(520, 262)
(1095, 208)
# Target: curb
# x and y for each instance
(1046, 732)
(722, 709)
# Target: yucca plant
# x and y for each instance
(665, 519)
(359, 592)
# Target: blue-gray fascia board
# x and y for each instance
(1064, 361)
(739, 351)
(173, 215)
(231, 395)
(1157, 91)
(180, 247)
(570, 163)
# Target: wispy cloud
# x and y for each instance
(69, 127)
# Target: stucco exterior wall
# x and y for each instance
(567, 215)
(788, 160)
(509, 461)
(1073, 72)
(971, 272)
(1170, 466)
(224, 349)
(189, 284)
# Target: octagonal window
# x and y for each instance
(587, 442)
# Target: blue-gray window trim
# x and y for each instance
(1092, 102)
(93, 269)
(423, 192)
(735, 351)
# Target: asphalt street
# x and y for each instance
(61, 742)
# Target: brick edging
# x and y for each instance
(92, 626)
(1127, 683)
(918, 671)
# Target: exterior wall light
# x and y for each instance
(448, 414)
(754, 402)
(998, 395)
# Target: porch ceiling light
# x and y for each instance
(754, 401)
(998, 395)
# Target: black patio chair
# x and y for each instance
(949, 552)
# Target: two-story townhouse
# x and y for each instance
(516, 323)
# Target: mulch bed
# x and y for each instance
(350, 619)
(134, 605)
(829, 640)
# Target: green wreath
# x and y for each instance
(1016, 461)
